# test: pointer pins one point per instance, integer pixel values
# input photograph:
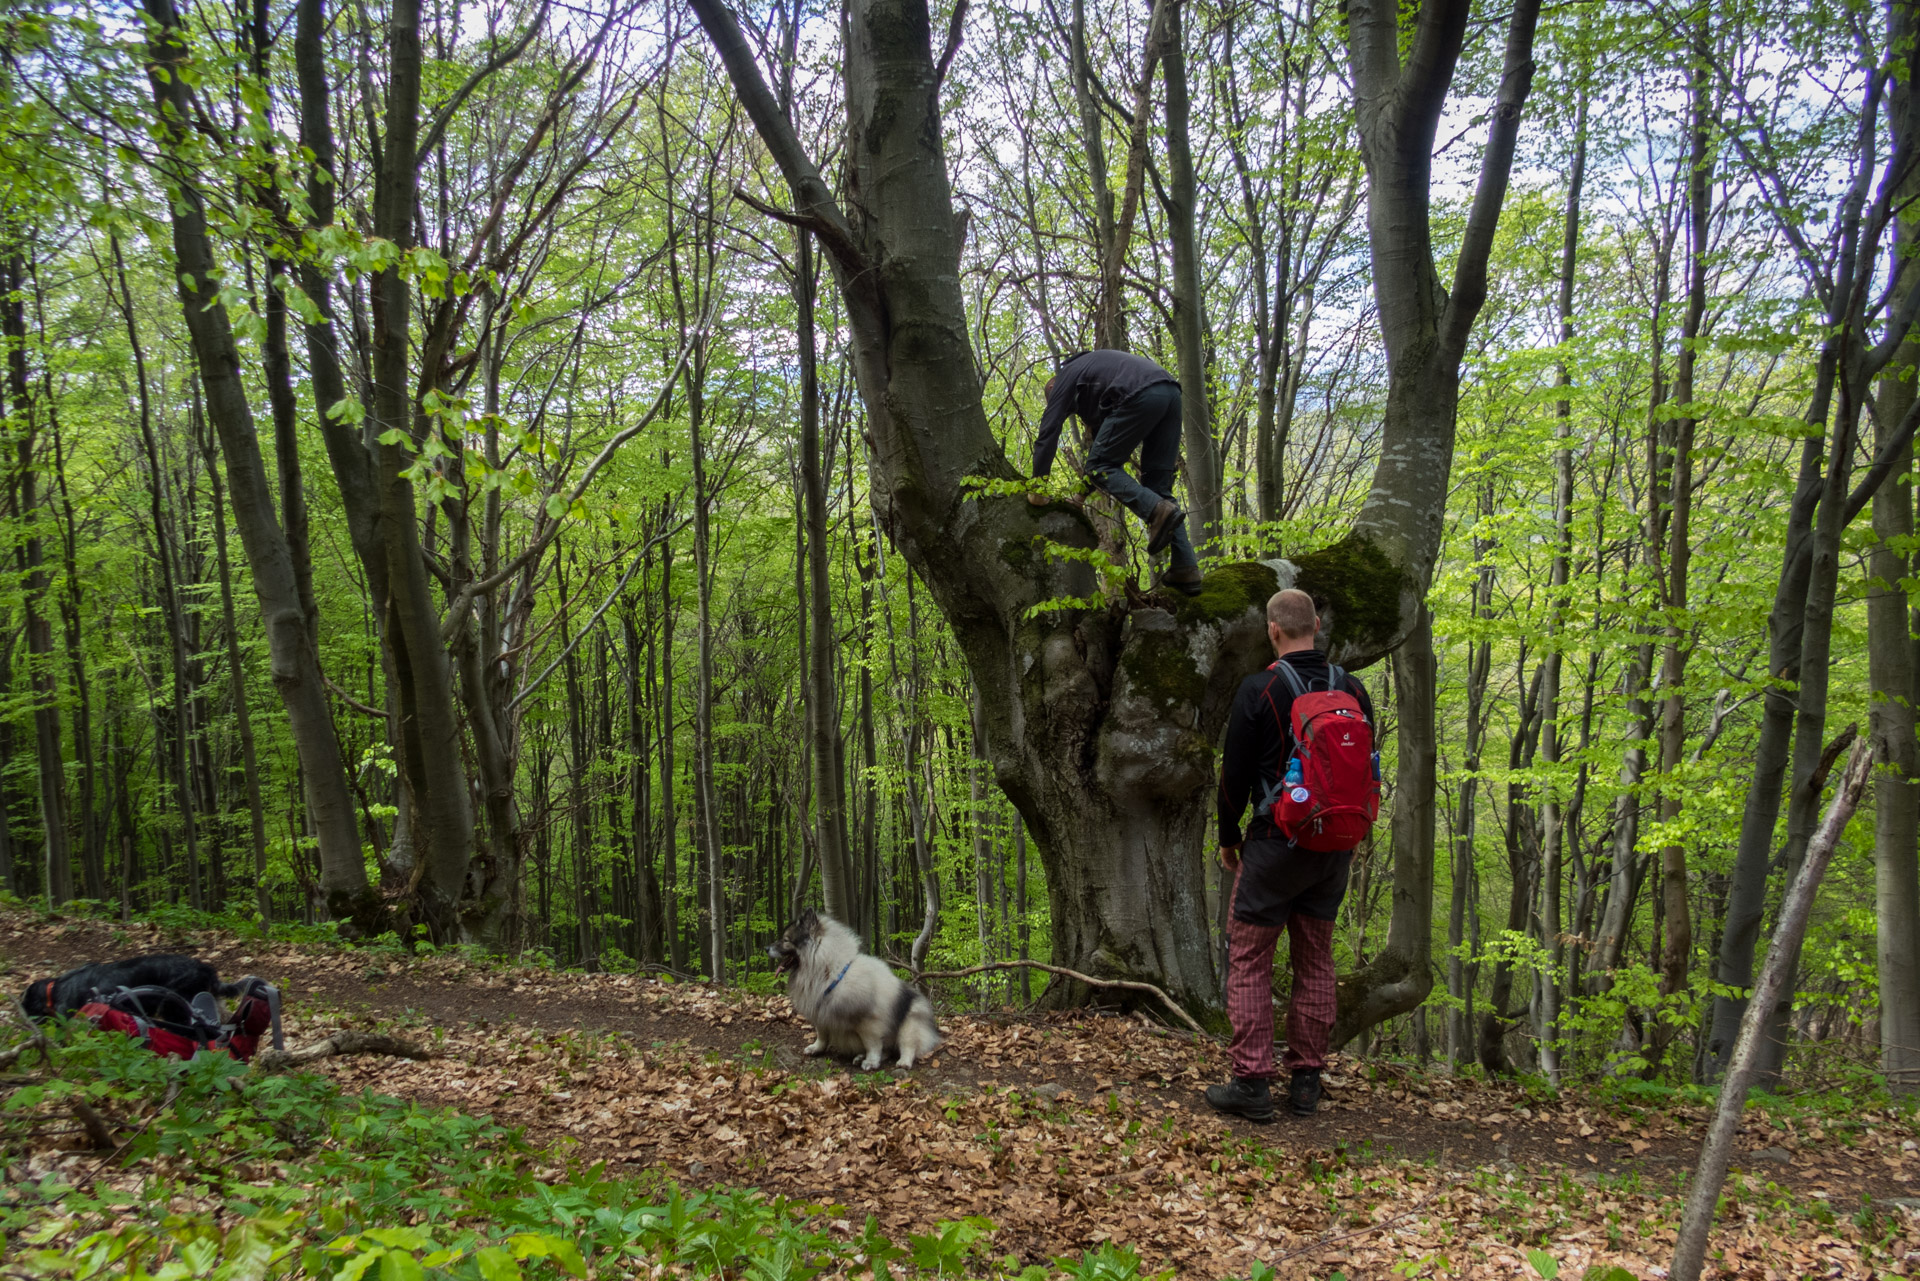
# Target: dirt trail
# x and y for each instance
(1064, 1131)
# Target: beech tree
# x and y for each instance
(1101, 720)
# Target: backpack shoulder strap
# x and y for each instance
(1336, 677)
(1295, 683)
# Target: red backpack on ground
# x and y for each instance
(1333, 804)
(175, 1027)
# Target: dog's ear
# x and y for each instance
(808, 921)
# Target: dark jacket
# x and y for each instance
(1260, 738)
(1092, 385)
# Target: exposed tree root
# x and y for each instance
(1125, 984)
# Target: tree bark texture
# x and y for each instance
(1892, 676)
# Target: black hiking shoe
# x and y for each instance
(1163, 525)
(1303, 1091)
(1243, 1096)
(1185, 581)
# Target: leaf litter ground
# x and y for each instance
(1072, 1130)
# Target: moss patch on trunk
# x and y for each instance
(1361, 585)
(1159, 668)
(1228, 591)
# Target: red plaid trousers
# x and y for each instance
(1250, 994)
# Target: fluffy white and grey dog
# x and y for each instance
(853, 1000)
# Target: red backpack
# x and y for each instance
(1333, 805)
(174, 1027)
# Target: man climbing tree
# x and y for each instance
(1129, 403)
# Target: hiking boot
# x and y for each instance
(1303, 1091)
(1244, 1096)
(1186, 581)
(1163, 525)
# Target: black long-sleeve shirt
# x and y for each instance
(1260, 737)
(1092, 385)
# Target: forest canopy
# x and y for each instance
(552, 478)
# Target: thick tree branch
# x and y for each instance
(1373, 36)
(810, 193)
(1469, 292)
(1428, 73)
(1884, 460)
(956, 29)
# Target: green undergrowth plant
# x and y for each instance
(228, 1174)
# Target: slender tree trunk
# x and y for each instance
(72, 599)
(823, 698)
(669, 815)
(1553, 833)
(649, 923)
(1893, 675)
(57, 849)
(1202, 453)
(1460, 974)
(703, 682)
(1677, 490)
(237, 676)
(1400, 975)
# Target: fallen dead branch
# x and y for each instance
(1130, 985)
(337, 1044)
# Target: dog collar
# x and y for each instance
(836, 979)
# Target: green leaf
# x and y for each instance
(1544, 1264)
(539, 1245)
(497, 1264)
(200, 1255)
(401, 1266)
(357, 1265)
(556, 505)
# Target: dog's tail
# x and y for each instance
(228, 991)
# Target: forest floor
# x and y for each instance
(1069, 1131)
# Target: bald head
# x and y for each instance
(1291, 611)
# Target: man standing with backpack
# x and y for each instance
(1300, 746)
